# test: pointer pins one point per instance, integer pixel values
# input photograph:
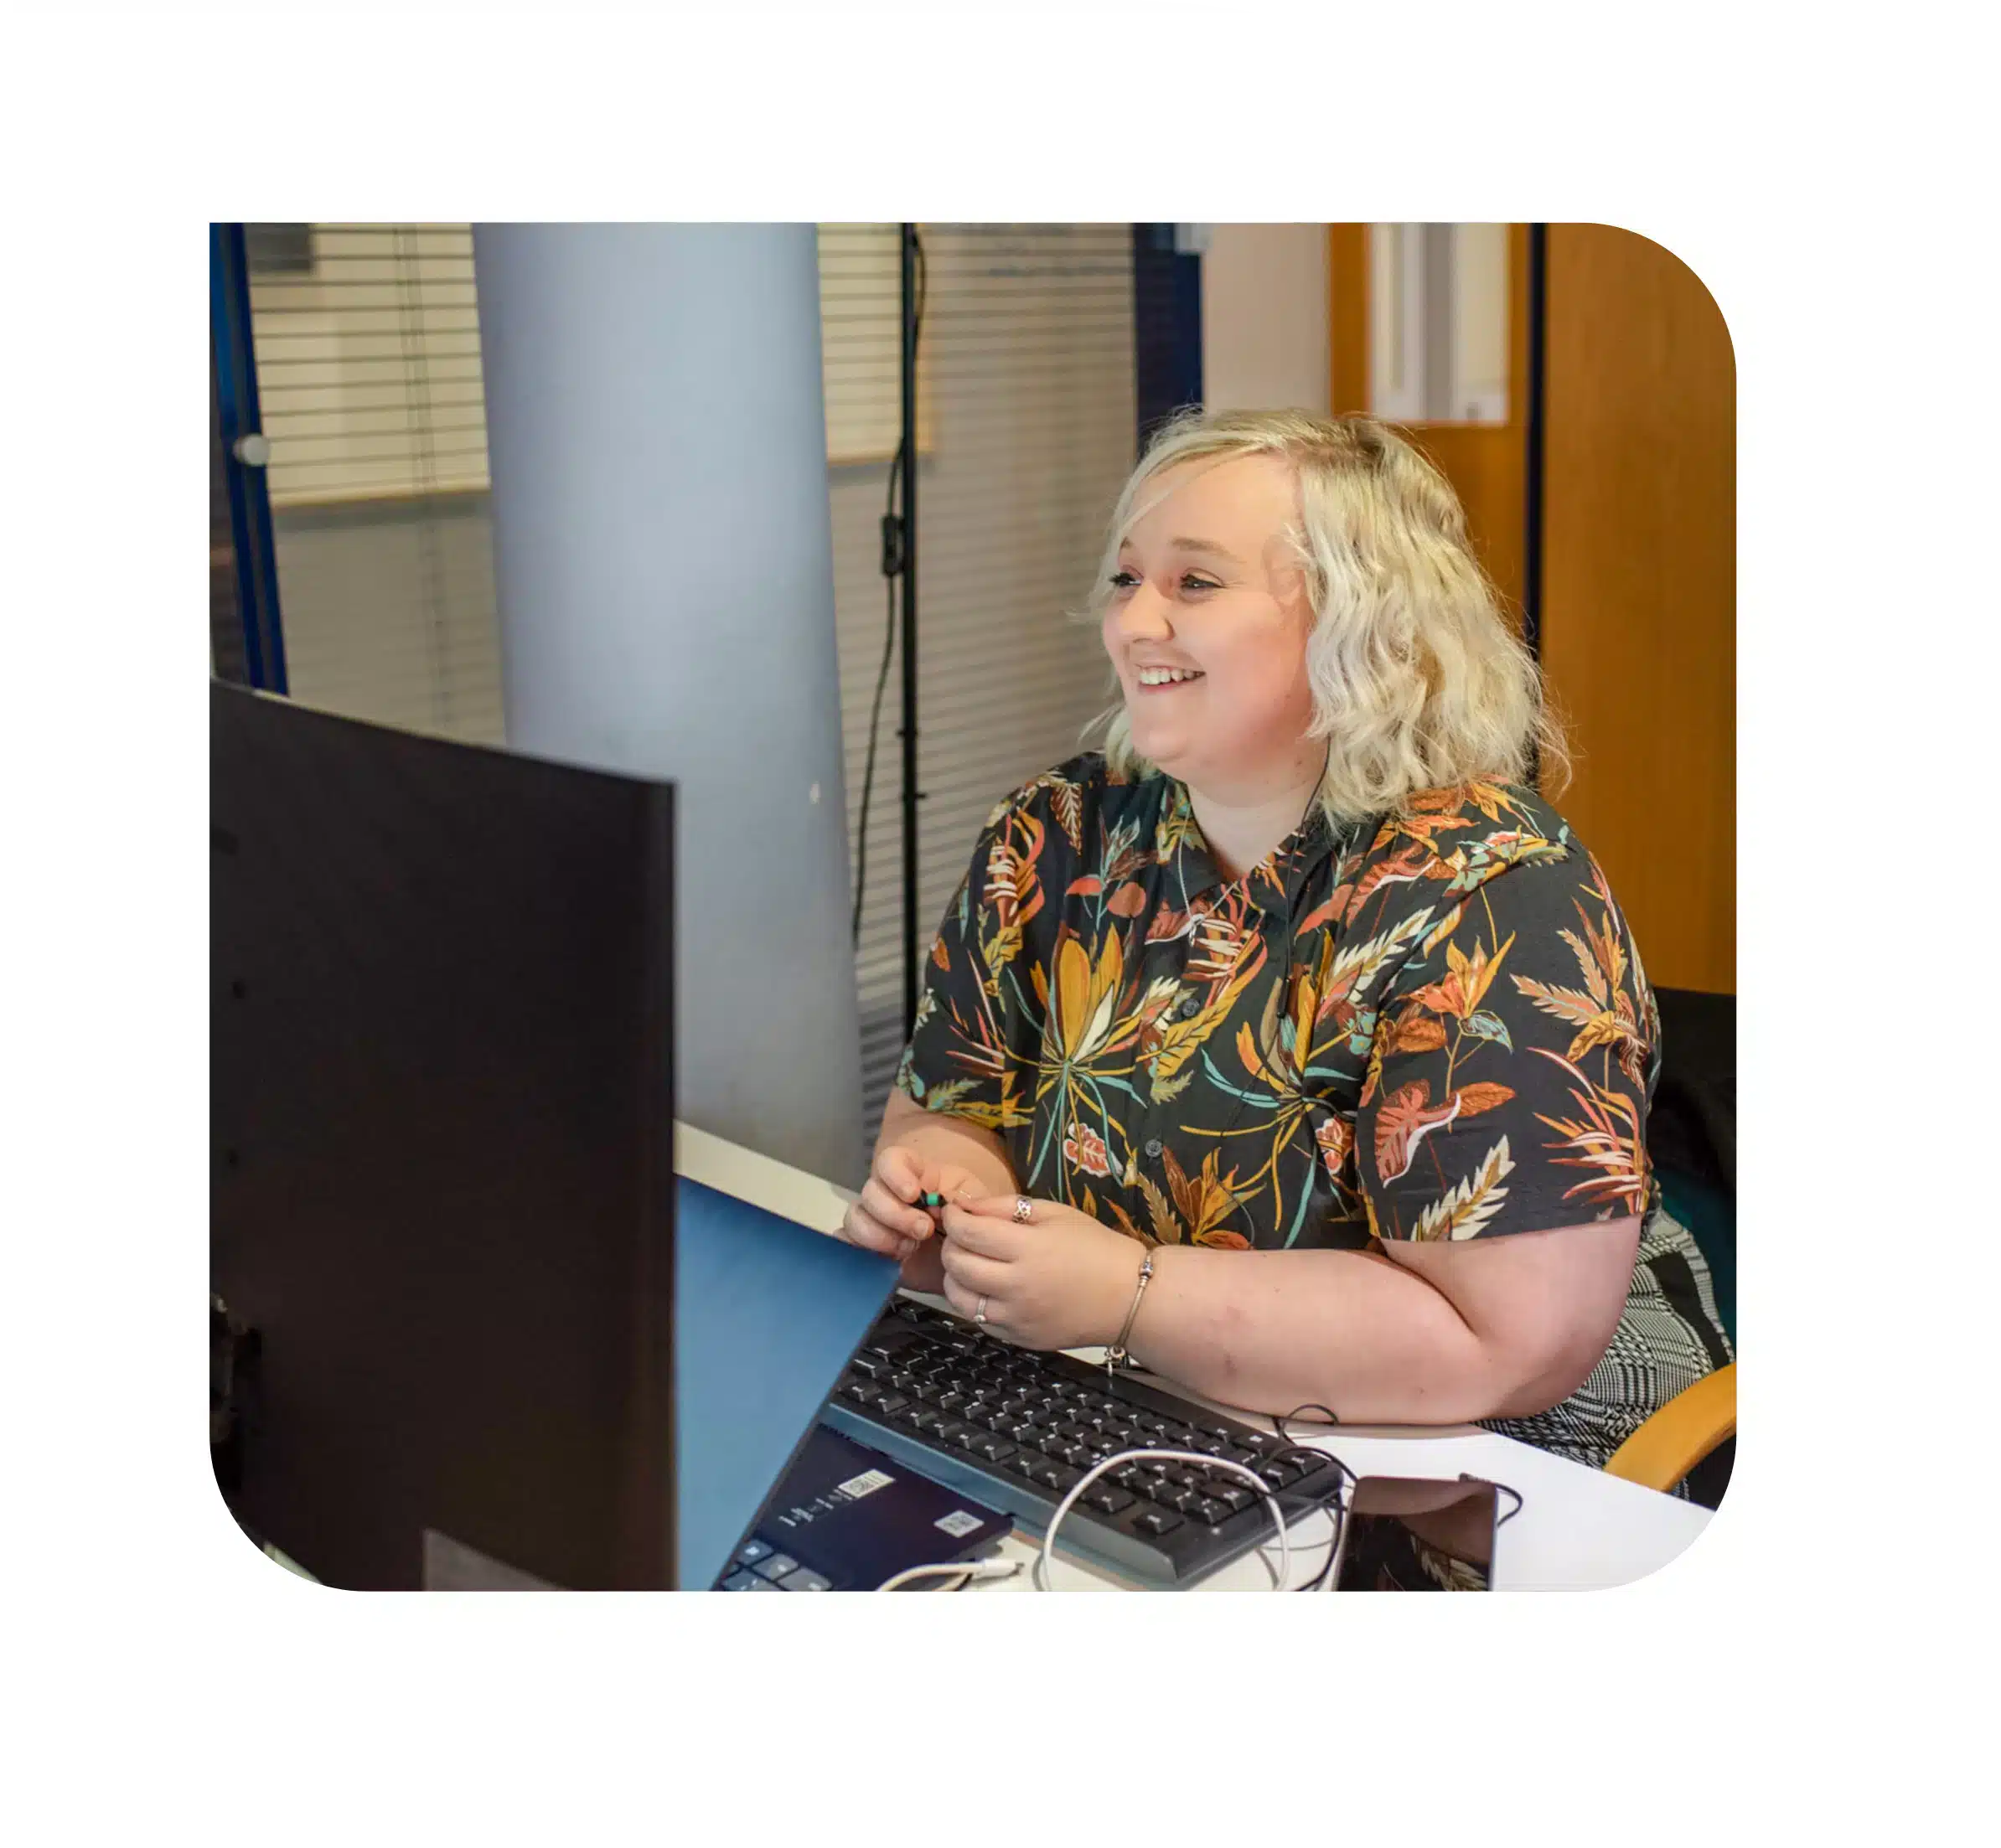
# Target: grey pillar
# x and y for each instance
(664, 565)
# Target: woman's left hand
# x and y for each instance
(1062, 1280)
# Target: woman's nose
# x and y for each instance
(1144, 613)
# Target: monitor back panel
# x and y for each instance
(442, 1121)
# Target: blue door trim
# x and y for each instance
(250, 496)
(1166, 327)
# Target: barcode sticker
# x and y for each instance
(867, 1483)
(958, 1524)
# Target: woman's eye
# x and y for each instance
(1123, 580)
(1191, 582)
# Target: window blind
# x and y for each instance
(367, 343)
(1026, 395)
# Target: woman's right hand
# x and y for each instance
(886, 1215)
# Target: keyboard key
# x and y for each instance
(758, 1584)
(969, 1436)
(1053, 1444)
(1212, 1511)
(952, 1401)
(751, 1551)
(804, 1581)
(865, 1392)
(1237, 1498)
(930, 1391)
(742, 1582)
(870, 1366)
(947, 1431)
(1080, 1456)
(1065, 1479)
(1157, 1521)
(775, 1566)
(891, 1403)
(1026, 1463)
(903, 1382)
(1107, 1501)
(1187, 1499)
(994, 1449)
(928, 1419)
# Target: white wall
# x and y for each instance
(1264, 317)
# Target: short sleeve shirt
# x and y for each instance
(1432, 1025)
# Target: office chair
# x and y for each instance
(1692, 1428)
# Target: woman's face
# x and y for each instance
(1207, 627)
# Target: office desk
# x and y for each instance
(1578, 1528)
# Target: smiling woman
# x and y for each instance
(1297, 984)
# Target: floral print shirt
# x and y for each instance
(1432, 1026)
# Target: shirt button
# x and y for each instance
(1191, 1007)
(1153, 1149)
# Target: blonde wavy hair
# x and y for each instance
(1419, 681)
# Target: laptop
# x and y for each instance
(768, 1314)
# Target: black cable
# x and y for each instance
(893, 554)
(1506, 1489)
(1332, 1503)
(875, 716)
(1279, 1424)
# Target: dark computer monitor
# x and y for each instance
(442, 1225)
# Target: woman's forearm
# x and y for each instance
(1270, 1331)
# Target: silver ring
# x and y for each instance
(1023, 1207)
(980, 1313)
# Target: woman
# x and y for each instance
(1300, 989)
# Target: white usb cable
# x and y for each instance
(1003, 1568)
(965, 1569)
(1257, 1482)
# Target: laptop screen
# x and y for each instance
(767, 1313)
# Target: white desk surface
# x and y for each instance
(1578, 1528)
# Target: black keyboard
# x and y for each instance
(1018, 1430)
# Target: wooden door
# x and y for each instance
(1638, 609)
(1639, 617)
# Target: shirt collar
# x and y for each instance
(1273, 884)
